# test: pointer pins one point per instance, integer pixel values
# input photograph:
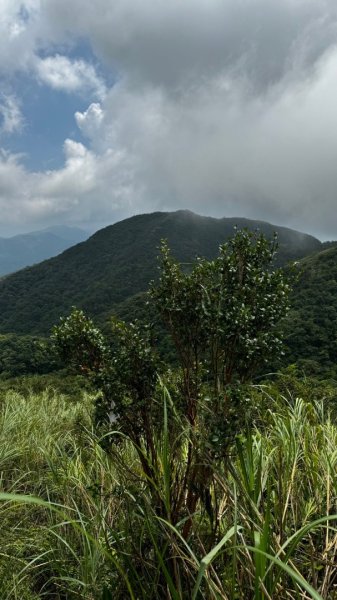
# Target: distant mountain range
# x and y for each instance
(27, 249)
(109, 272)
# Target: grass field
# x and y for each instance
(266, 530)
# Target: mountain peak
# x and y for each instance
(117, 263)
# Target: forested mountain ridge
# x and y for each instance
(118, 262)
(26, 249)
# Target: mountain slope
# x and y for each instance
(117, 263)
(312, 323)
(30, 248)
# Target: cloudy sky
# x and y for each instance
(110, 108)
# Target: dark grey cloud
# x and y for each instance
(174, 43)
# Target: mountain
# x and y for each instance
(110, 270)
(30, 248)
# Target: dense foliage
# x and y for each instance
(223, 315)
(311, 331)
(22, 355)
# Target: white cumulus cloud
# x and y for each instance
(61, 73)
(87, 189)
(90, 120)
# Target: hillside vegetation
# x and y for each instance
(311, 332)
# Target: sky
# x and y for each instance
(111, 108)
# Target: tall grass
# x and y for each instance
(266, 528)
